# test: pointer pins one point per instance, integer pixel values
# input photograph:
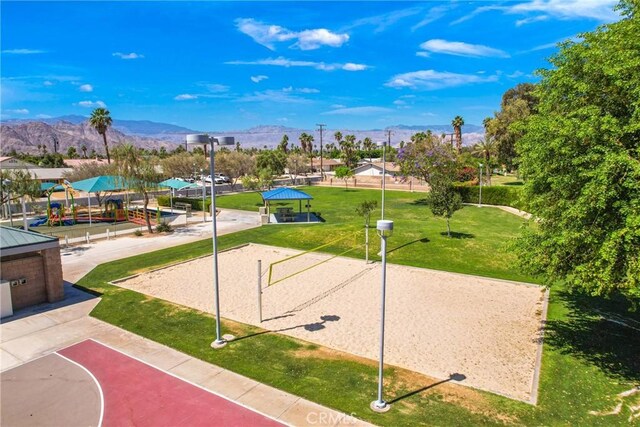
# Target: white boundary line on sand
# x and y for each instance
(192, 383)
(94, 379)
(536, 372)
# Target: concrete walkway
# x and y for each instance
(41, 331)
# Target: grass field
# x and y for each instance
(587, 361)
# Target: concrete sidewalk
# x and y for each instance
(44, 330)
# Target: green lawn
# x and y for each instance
(587, 361)
(505, 180)
(478, 245)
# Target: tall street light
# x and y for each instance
(384, 173)
(321, 128)
(204, 140)
(385, 230)
(480, 195)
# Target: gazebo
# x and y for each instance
(287, 194)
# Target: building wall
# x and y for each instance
(43, 272)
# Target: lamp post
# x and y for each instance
(384, 173)
(385, 230)
(204, 193)
(480, 195)
(204, 140)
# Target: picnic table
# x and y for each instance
(286, 214)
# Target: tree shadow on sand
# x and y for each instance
(311, 327)
(599, 331)
(453, 377)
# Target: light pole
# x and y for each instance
(385, 230)
(204, 140)
(321, 126)
(480, 195)
(204, 193)
(384, 173)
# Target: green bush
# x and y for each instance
(495, 195)
(196, 204)
(137, 233)
(163, 227)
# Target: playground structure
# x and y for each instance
(115, 210)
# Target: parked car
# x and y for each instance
(225, 179)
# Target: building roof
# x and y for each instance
(14, 241)
(390, 167)
(285, 193)
(49, 173)
(74, 163)
(8, 162)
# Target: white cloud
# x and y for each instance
(258, 79)
(350, 66)
(268, 35)
(357, 111)
(461, 49)
(92, 104)
(48, 83)
(86, 88)
(337, 106)
(432, 15)
(433, 80)
(278, 96)
(599, 10)
(185, 96)
(216, 88)
(284, 62)
(43, 116)
(131, 55)
(291, 89)
(22, 51)
(383, 21)
(525, 21)
(19, 111)
(515, 74)
(399, 102)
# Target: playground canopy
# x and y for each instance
(286, 193)
(101, 183)
(175, 184)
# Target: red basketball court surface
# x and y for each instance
(91, 384)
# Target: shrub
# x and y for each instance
(466, 174)
(497, 195)
(163, 227)
(137, 233)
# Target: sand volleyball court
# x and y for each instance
(437, 323)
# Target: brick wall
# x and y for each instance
(43, 271)
(32, 269)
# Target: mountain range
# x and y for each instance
(26, 135)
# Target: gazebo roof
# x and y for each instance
(285, 193)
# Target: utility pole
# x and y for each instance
(321, 126)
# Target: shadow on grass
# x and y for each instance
(452, 377)
(423, 240)
(514, 183)
(311, 327)
(421, 202)
(456, 235)
(600, 331)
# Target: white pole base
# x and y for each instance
(380, 407)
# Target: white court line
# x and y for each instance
(197, 385)
(94, 379)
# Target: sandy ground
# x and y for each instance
(437, 323)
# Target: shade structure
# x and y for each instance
(45, 186)
(286, 193)
(101, 183)
(175, 184)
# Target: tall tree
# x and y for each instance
(486, 149)
(306, 141)
(457, 124)
(101, 121)
(296, 165)
(235, 164)
(505, 126)
(83, 148)
(443, 199)
(139, 173)
(580, 156)
(368, 146)
(284, 143)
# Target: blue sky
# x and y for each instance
(234, 65)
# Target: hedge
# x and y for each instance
(196, 204)
(494, 195)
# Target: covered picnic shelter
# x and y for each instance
(175, 184)
(287, 194)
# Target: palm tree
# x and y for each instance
(306, 142)
(83, 148)
(348, 146)
(101, 121)
(486, 148)
(457, 124)
(368, 145)
(284, 143)
(338, 136)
